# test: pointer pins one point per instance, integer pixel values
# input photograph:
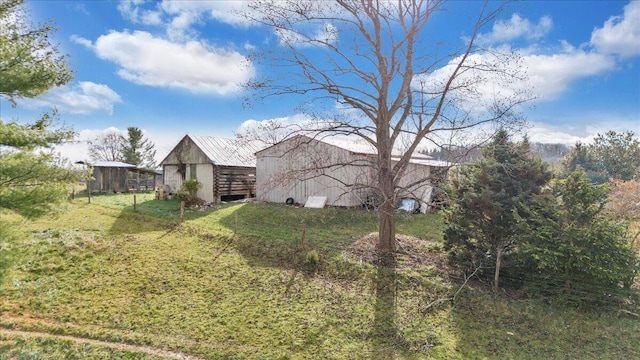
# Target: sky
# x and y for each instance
(176, 67)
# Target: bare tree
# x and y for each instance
(108, 147)
(371, 69)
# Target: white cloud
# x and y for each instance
(620, 34)
(130, 10)
(194, 66)
(78, 149)
(276, 129)
(229, 11)
(550, 75)
(179, 17)
(324, 34)
(582, 130)
(81, 41)
(540, 76)
(84, 98)
(516, 27)
(549, 134)
(485, 79)
(180, 26)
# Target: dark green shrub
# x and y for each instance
(579, 256)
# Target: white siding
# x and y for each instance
(204, 174)
(301, 167)
(172, 177)
(298, 169)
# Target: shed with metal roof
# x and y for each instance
(341, 170)
(226, 168)
(117, 176)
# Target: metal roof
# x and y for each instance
(228, 152)
(107, 164)
(360, 146)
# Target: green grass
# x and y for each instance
(20, 347)
(235, 282)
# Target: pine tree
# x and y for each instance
(488, 197)
(32, 182)
(137, 150)
(29, 63)
(32, 179)
(578, 253)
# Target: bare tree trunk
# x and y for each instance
(386, 211)
(387, 231)
(496, 276)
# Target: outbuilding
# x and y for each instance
(226, 168)
(341, 170)
(117, 176)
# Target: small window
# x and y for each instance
(182, 170)
(192, 171)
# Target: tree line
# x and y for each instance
(132, 149)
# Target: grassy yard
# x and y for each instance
(243, 282)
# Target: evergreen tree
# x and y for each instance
(138, 150)
(611, 156)
(32, 180)
(578, 253)
(578, 156)
(29, 63)
(488, 196)
(617, 155)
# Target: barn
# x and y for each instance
(342, 171)
(226, 168)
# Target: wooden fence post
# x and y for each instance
(182, 205)
(134, 203)
(235, 228)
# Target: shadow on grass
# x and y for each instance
(385, 327)
(151, 215)
(276, 236)
(284, 237)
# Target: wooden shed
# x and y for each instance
(341, 170)
(226, 168)
(116, 176)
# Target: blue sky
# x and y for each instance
(175, 67)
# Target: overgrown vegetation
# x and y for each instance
(236, 282)
(553, 238)
(189, 191)
(577, 254)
